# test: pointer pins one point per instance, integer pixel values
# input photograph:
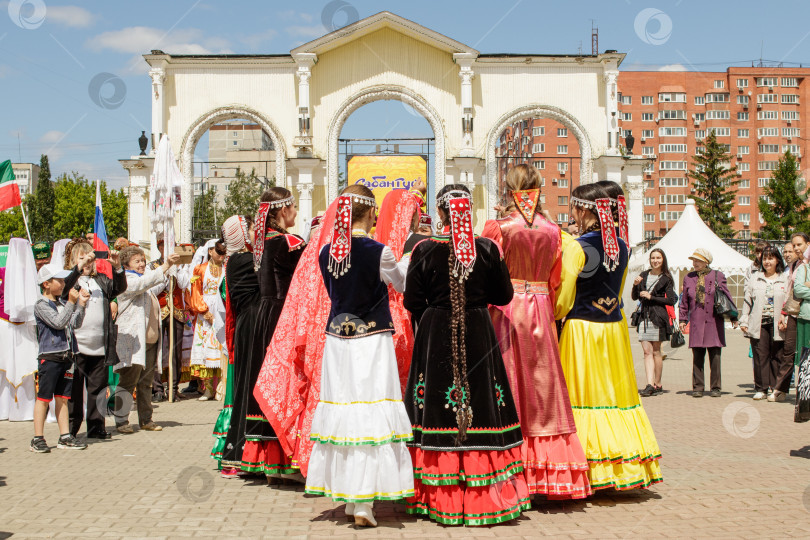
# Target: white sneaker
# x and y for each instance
(776, 396)
(759, 395)
(207, 394)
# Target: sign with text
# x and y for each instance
(383, 173)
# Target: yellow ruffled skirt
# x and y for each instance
(611, 423)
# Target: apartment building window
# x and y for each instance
(540, 164)
(671, 148)
(562, 132)
(648, 151)
(717, 115)
(647, 133)
(768, 132)
(24, 190)
(538, 131)
(538, 148)
(768, 148)
(763, 182)
(562, 218)
(647, 117)
(649, 218)
(790, 81)
(672, 132)
(742, 116)
(716, 98)
(670, 216)
(720, 84)
(672, 166)
(767, 165)
(721, 131)
(790, 98)
(790, 115)
(767, 115)
(745, 219)
(562, 201)
(744, 201)
(700, 100)
(672, 115)
(789, 132)
(767, 81)
(627, 100)
(767, 98)
(562, 167)
(562, 182)
(744, 167)
(627, 116)
(744, 184)
(647, 100)
(648, 169)
(674, 97)
(742, 83)
(700, 149)
(562, 148)
(673, 182)
(625, 132)
(742, 133)
(767, 200)
(672, 198)
(649, 201)
(792, 148)
(743, 150)
(699, 117)
(742, 100)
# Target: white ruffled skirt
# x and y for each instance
(18, 364)
(360, 425)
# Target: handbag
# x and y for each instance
(802, 411)
(635, 317)
(723, 304)
(792, 305)
(677, 339)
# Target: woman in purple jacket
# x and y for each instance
(706, 330)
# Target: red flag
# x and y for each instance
(9, 195)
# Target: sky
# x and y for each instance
(73, 83)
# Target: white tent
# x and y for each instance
(688, 234)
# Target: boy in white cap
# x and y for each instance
(55, 324)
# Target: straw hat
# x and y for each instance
(702, 254)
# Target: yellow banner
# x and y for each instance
(384, 173)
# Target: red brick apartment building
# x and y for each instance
(758, 113)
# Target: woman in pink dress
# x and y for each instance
(553, 459)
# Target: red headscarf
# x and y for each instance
(394, 221)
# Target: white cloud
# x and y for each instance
(51, 136)
(142, 39)
(254, 41)
(309, 32)
(72, 16)
(673, 67)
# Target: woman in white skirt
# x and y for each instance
(360, 425)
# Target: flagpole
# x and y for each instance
(25, 220)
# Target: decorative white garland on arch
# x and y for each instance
(377, 93)
(192, 137)
(536, 111)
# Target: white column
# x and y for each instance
(305, 184)
(303, 142)
(612, 105)
(466, 74)
(635, 211)
(158, 76)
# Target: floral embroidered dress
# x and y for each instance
(207, 353)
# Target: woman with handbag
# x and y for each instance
(765, 295)
(706, 324)
(788, 318)
(654, 288)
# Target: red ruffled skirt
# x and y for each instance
(555, 466)
(469, 487)
(266, 457)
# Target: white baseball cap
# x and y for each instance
(51, 271)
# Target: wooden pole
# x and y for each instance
(170, 300)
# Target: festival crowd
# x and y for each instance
(384, 358)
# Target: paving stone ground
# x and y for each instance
(732, 467)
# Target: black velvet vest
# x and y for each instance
(359, 298)
(599, 292)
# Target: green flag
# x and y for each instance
(4, 256)
(6, 172)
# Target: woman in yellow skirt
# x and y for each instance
(595, 351)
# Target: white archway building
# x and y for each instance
(302, 100)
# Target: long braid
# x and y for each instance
(272, 222)
(458, 332)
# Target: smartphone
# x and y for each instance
(102, 254)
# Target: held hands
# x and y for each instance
(84, 296)
(73, 296)
(645, 295)
(208, 317)
(783, 324)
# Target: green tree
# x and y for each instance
(74, 208)
(715, 186)
(785, 210)
(243, 195)
(11, 224)
(40, 206)
(115, 205)
(208, 216)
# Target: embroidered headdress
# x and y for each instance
(341, 245)
(459, 206)
(236, 234)
(609, 241)
(624, 228)
(526, 202)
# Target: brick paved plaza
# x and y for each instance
(732, 468)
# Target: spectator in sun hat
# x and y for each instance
(42, 254)
(706, 328)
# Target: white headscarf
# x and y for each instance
(201, 255)
(20, 286)
(59, 250)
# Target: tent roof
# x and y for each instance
(688, 234)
